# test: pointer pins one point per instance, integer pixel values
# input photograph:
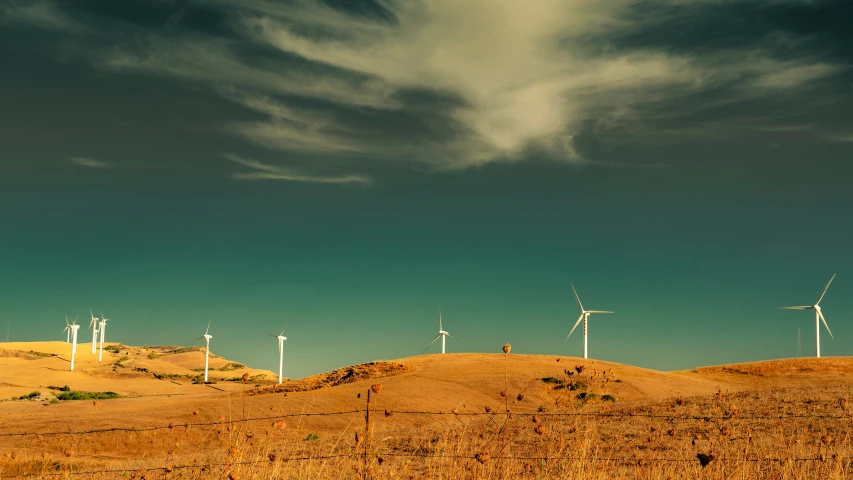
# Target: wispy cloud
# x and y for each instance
(39, 13)
(89, 162)
(840, 137)
(514, 77)
(264, 171)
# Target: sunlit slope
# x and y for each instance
(133, 371)
(429, 383)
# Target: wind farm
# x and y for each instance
(130, 382)
(625, 208)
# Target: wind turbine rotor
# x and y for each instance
(803, 307)
(825, 289)
(598, 311)
(825, 324)
(576, 326)
(433, 341)
(577, 297)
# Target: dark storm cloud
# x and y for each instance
(452, 84)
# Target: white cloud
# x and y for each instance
(523, 72)
(263, 171)
(89, 162)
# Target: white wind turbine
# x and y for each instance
(93, 324)
(281, 338)
(103, 332)
(72, 327)
(585, 317)
(441, 333)
(818, 316)
(206, 338)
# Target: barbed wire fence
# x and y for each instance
(361, 452)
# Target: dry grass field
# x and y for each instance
(449, 416)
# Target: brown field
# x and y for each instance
(433, 416)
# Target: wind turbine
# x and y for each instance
(585, 317)
(93, 324)
(818, 316)
(206, 338)
(441, 333)
(281, 338)
(103, 332)
(72, 327)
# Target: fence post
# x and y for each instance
(367, 437)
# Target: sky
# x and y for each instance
(353, 166)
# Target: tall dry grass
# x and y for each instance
(781, 433)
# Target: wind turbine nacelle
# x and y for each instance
(442, 332)
(817, 307)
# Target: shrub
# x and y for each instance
(29, 396)
(608, 398)
(587, 397)
(552, 380)
(572, 386)
(152, 356)
(42, 354)
(311, 437)
(87, 395)
(112, 349)
(232, 366)
(61, 389)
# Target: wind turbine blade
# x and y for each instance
(576, 326)
(804, 307)
(825, 324)
(825, 289)
(598, 311)
(285, 327)
(433, 341)
(440, 327)
(577, 298)
(208, 325)
(274, 336)
(199, 338)
(451, 336)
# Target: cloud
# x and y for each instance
(513, 77)
(840, 137)
(89, 162)
(39, 13)
(263, 171)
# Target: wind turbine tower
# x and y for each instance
(818, 316)
(281, 338)
(72, 327)
(441, 333)
(206, 338)
(93, 324)
(103, 333)
(585, 317)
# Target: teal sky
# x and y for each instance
(257, 161)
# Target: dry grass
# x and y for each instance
(521, 427)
